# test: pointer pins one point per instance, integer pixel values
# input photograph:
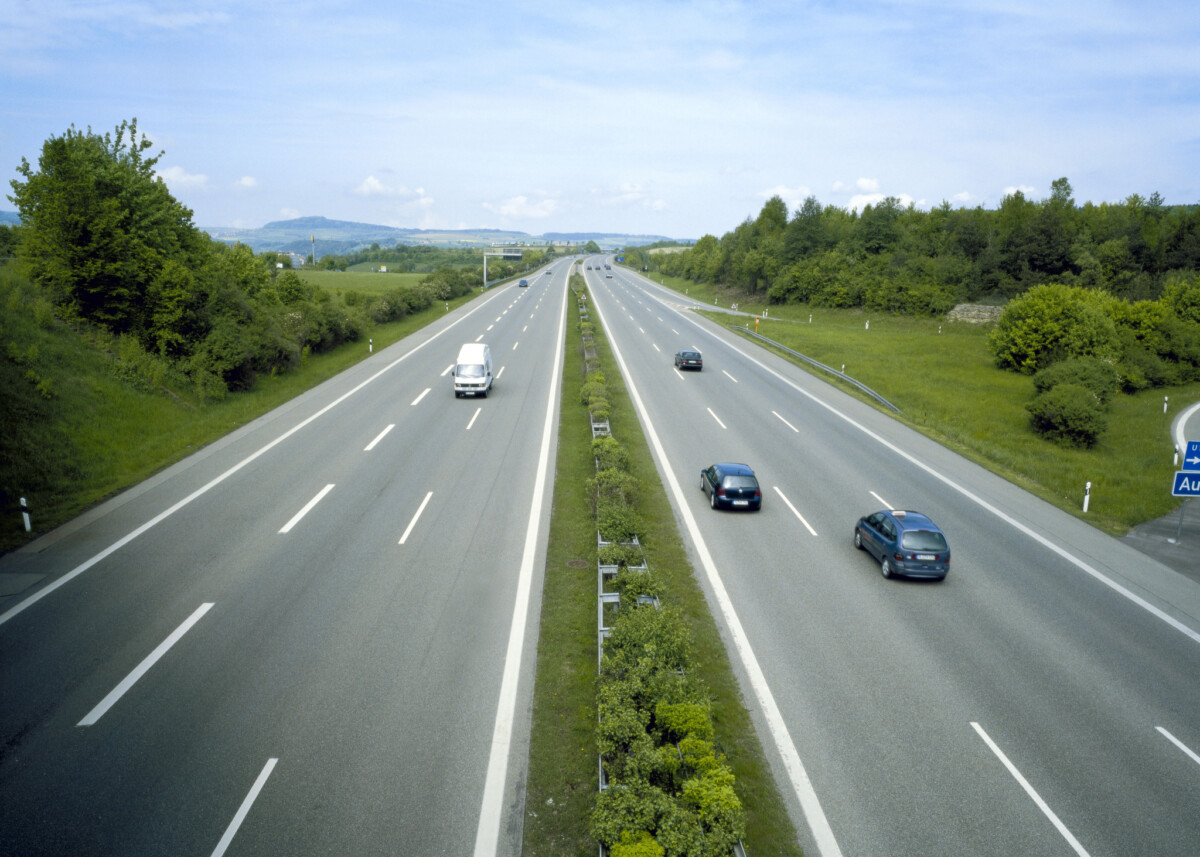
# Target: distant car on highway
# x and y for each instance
(523, 283)
(732, 486)
(905, 543)
(688, 359)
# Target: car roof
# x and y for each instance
(909, 520)
(734, 469)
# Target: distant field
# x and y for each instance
(358, 281)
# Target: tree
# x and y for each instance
(99, 226)
(1052, 322)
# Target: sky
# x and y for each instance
(660, 117)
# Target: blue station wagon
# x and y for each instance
(905, 543)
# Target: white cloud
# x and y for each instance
(793, 196)
(179, 179)
(523, 206)
(1025, 190)
(372, 186)
(963, 197)
(867, 185)
(246, 183)
(861, 200)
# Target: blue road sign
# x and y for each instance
(1191, 457)
(1187, 484)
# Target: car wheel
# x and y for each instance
(858, 539)
(885, 567)
(712, 499)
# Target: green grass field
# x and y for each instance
(361, 279)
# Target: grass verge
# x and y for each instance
(563, 773)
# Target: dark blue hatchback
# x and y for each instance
(905, 543)
(732, 486)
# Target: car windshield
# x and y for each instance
(923, 540)
(740, 482)
(689, 355)
(469, 370)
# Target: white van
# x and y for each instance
(473, 370)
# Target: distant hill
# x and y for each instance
(344, 236)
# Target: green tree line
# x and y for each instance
(896, 258)
(103, 243)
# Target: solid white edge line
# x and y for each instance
(379, 437)
(204, 489)
(1181, 424)
(715, 417)
(810, 804)
(144, 667)
(1029, 790)
(786, 423)
(474, 416)
(793, 508)
(408, 530)
(950, 483)
(487, 835)
(286, 528)
(244, 809)
(1191, 754)
(424, 393)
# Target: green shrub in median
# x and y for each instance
(609, 454)
(665, 778)
(669, 793)
(615, 520)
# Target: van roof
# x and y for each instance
(472, 349)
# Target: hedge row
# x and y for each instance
(665, 789)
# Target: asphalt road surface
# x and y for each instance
(315, 636)
(1044, 699)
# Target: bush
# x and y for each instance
(609, 454)
(614, 484)
(616, 521)
(1099, 377)
(1069, 415)
(1050, 323)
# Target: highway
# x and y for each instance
(315, 636)
(1042, 700)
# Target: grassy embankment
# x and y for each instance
(562, 765)
(942, 377)
(110, 432)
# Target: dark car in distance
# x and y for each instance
(905, 543)
(732, 486)
(689, 359)
(523, 283)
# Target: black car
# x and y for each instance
(732, 486)
(689, 360)
(905, 543)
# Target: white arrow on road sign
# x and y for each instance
(1191, 456)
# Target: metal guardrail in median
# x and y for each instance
(819, 365)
